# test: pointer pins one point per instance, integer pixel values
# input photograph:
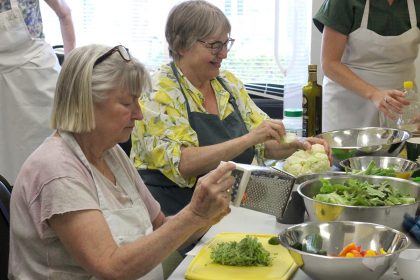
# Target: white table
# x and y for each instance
(245, 220)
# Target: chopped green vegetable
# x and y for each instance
(274, 240)
(360, 193)
(416, 179)
(247, 252)
(373, 169)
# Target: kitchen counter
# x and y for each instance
(245, 220)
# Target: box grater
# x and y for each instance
(262, 189)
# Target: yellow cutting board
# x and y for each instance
(202, 267)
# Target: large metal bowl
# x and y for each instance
(367, 141)
(404, 168)
(303, 178)
(391, 216)
(335, 236)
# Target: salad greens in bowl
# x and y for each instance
(374, 199)
(380, 166)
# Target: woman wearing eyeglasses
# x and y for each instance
(79, 209)
(197, 114)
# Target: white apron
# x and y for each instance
(28, 75)
(383, 61)
(126, 225)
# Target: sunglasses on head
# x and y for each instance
(123, 51)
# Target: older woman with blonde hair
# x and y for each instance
(197, 114)
(79, 209)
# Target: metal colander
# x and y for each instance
(262, 189)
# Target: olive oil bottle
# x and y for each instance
(312, 104)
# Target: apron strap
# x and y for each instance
(365, 17)
(180, 86)
(412, 12)
(232, 101)
(14, 4)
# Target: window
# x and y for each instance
(140, 25)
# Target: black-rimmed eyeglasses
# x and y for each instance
(218, 46)
(123, 51)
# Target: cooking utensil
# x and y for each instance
(365, 141)
(391, 216)
(334, 237)
(404, 168)
(202, 267)
(262, 189)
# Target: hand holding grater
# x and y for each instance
(262, 189)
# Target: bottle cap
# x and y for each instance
(295, 112)
(312, 67)
(408, 84)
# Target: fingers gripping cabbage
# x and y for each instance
(303, 162)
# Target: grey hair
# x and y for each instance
(191, 21)
(80, 85)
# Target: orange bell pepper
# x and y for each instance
(370, 253)
(354, 251)
(350, 247)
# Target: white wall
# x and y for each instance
(316, 47)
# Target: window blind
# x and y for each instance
(140, 25)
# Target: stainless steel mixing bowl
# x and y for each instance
(303, 178)
(366, 141)
(391, 216)
(404, 168)
(335, 236)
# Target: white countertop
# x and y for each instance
(245, 220)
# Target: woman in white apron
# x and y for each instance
(28, 74)
(364, 69)
(79, 209)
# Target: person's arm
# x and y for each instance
(198, 160)
(172, 145)
(63, 13)
(333, 45)
(87, 237)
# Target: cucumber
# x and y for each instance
(274, 240)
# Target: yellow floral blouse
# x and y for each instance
(157, 139)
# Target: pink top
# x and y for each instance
(54, 181)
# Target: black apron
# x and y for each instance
(210, 130)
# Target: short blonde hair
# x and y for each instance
(80, 85)
(191, 21)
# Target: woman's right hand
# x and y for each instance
(390, 102)
(211, 197)
(267, 130)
